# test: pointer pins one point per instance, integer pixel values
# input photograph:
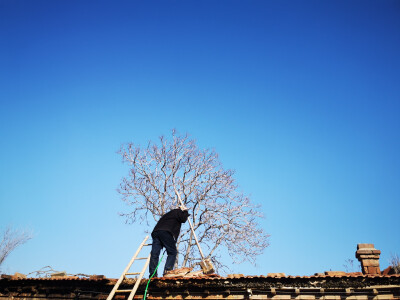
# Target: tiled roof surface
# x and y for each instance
(201, 286)
(277, 277)
(210, 277)
(70, 278)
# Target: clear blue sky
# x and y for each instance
(301, 98)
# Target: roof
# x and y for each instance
(98, 287)
(215, 277)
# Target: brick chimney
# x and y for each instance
(369, 258)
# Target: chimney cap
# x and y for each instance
(363, 246)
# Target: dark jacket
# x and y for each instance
(172, 221)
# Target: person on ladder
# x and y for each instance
(165, 234)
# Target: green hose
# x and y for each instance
(147, 286)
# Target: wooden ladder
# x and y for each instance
(125, 273)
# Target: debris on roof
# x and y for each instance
(178, 272)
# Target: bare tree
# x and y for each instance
(395, 263)
(11, 239)
(224, 218)
(349, 266)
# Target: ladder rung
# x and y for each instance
(138, 280)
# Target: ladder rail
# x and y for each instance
(115, 288)
(139, 279)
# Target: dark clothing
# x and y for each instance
(162, 238)
(165, 234)
(172, 221)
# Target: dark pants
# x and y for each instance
(162, 239)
